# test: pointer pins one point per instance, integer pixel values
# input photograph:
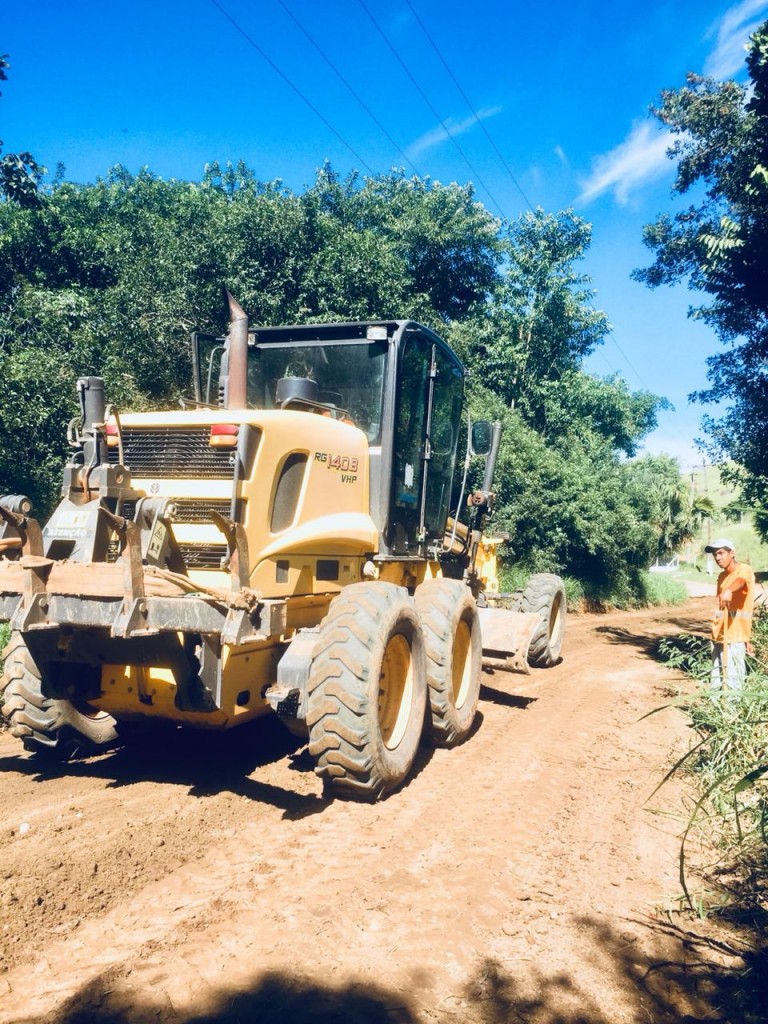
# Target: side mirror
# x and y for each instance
(481, 437)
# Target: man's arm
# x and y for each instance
(725, 596)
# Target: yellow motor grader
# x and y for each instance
(282, 544)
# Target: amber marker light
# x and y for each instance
(223, 435)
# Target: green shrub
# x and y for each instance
(688, 653)
(760, 639)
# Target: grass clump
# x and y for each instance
(514, 577)
(729, 762)
(658, 590)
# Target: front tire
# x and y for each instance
(367, 691)
(545, 593)
(56, 729)
(454, 648)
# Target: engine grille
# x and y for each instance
(208, 557)
(165, 452)
(196, 556)
(188, 510)
(191, 511)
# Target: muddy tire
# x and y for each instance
(367, 692)
(544, 593)
(454, 648)
(56, 729)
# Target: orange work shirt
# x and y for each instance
(736, 620)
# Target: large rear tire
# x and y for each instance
(545, 593)
(367, 692)
(57, 729)
(454, 647)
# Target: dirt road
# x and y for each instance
(518, 877)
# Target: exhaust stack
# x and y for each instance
(237, 358)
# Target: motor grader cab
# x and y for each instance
(284, 544)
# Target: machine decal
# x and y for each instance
(344, 464)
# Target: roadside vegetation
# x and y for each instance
(715, 242)
(725, 840)
(650, 591)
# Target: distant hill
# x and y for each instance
(705, 482)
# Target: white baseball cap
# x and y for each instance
(723, 542)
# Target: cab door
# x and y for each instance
(427, 419)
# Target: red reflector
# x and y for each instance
(223, 435)
(112, 429)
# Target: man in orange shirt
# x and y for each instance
(732, 622)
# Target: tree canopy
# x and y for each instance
(109, 278)
(719, 245)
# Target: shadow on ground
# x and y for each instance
(649, 643)
(204, 763)
(686, 978)
(504, 699)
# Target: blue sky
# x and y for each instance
(562, 89)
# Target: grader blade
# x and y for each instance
(506, 638)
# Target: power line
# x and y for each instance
(351, 89)
(628, 360)
(469, 104)
(604, 357)
(514, 180)
(423, 95)
(295, 88)
(251, 42)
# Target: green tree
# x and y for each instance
(675, 513)
(569, 504)
(20, 174)
(719, 245)
(538, 324)
(564, 495)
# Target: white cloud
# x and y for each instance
(640, 158)
(733, 31)
(448, 128)
(560, 154)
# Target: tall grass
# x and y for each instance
(644, 590)
(658, 590)
(729, 762)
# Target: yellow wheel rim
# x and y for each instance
(395, 690)
(556, 621)
(462, 664)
